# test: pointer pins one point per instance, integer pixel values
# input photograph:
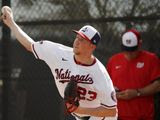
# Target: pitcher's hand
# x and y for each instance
(7, 15)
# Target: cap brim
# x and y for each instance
(130, 49)
(82, 35)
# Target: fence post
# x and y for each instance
(5, 66)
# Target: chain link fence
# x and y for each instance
(32, 92)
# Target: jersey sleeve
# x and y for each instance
(108, 96)
(49, 51)
(155, 68)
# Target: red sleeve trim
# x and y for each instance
(35, 51)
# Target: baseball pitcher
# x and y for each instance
(80, 77)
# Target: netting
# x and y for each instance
(33, 94)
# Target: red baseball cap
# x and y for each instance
(130, 40)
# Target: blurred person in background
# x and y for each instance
(136, 77)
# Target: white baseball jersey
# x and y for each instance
(94, 84)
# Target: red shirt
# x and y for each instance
(134, 74)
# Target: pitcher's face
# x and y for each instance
(81, 45)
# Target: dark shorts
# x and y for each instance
(81, 118)
(84, 118)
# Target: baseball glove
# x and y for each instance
(71, 96)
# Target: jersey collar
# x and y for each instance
(79, 63)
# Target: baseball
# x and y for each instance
(6, 8)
